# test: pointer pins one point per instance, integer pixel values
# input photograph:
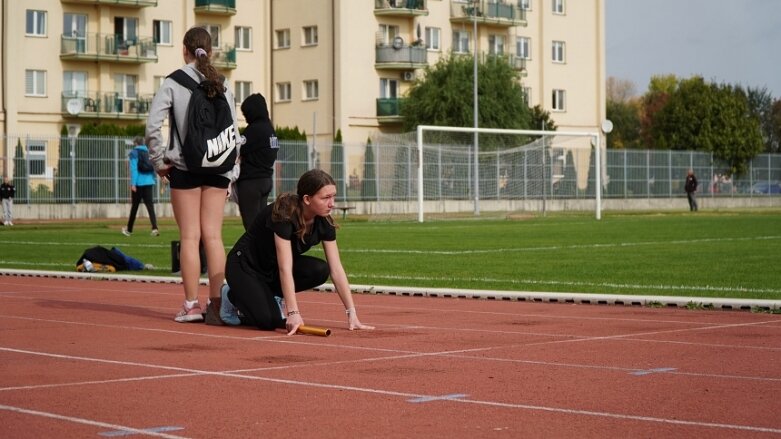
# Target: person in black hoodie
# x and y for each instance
(257, 157)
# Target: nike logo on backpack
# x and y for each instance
(219, 148)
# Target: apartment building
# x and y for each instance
(324, 65)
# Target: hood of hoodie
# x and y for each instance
(254, 108)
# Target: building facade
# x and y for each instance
(324, 65)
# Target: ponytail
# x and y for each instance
(198, 42)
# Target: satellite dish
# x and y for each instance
(74, 106)
(398, 43)
(607, 126)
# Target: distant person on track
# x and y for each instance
(267, 266)
(7, 193)
(142, 185)
(690, 186)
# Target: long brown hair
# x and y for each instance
(199, 38)
(288, 206)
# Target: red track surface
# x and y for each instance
(85, 358)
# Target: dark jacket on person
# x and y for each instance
(691, 183)
(259, 151)
(7, 190)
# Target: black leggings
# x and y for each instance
(142, 193)
(253, 296)
(253, 196)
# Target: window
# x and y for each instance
(36, 23)
(558, 6)
(35, 82)
(311, 90)
(496, 44)
(523, 48)
(389, 88)
(387, 34)
(74, 33)
(433, 38)
(36, 157)
(283, 38)
(310, 35)
(559, 100)
(283, 92)
(243, 90)
(162, 32)
(126, 29)
(157, 82)
(243, 38)
(526, 92)
(558, 51)
(74, 84)
(461, 42)
(525, 5)
(214, 31)
(125, 85)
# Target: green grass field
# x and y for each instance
(733, 254)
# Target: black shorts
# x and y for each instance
(179, 179)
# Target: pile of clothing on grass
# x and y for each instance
(99, 259)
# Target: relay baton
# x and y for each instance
(314, 330)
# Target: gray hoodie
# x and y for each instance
(171, 94)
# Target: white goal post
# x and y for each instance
(596, 142)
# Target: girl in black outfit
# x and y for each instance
(258, 154)
(268, 262)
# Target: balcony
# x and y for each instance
(224, 58)
(126, 3)
(400, 8)
(516, 62)
(495, 13)
(107, 47)
(215, 7)
(104, 105)
(389, 110)
(399, 56)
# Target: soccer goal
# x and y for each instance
(506, 169)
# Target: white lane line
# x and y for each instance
(409, 396)
(90, 422)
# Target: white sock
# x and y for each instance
(189, 304)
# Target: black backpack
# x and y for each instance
(210, 144)
(144, 164)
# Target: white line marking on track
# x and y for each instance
(400, 394)
(87, 422)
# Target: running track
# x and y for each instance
(95, 358)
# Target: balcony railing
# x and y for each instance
(400, 56)
(224, 58)
(389, 110)
(215, 7)
(515, 61)
(107, 47)
(104, 105)
(497, 13)
(400, 7)
(126, 3)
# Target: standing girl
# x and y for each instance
(268, 265)
(198, 200)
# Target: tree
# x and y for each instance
(760, 103)
(20, 173)
(659, 90)
(620, 90)
(626, 124)
(541, 120)
(337, 165)
(369, 183)
(776, 118)
(445, 96)
(708, 117)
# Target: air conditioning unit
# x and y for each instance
(408, 76)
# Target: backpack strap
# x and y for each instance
(183, 79)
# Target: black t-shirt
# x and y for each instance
(261, 249)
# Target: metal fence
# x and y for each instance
(64, 170)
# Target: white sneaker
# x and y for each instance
(155, 232)
(5, 223)
(125, 232)
(10, 223)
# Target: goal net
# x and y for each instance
(503, 170)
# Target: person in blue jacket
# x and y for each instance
(142, 183)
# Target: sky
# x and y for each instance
(724, 41)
